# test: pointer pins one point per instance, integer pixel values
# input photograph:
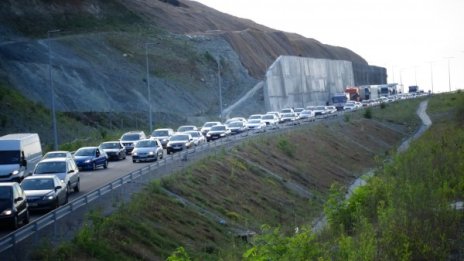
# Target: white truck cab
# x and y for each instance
(19, 153)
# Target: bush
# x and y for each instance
(368, 113)
(383, 105)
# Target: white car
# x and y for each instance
(198, 138)
(255, 117)
(207, 126)
(256, 124)
(330, 109)
(349, 107)
(185, 128)
(319, 110)
(288, 117)
(270, 120)
(306, 114)
(57, 154)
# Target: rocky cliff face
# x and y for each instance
(98, 59)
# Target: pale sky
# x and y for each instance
(404, 36)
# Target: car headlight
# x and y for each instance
(208, 134)
(88, 161)
(134, 153)
(15, 172)
(7, 212)
(151, 153)
(49, 196)
(222, 134)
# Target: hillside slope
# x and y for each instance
(98, 58)
(280, 179)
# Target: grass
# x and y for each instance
(248, 186)
(403, 213)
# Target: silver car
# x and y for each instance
(44, 192)
(147, 150)
(64, 168)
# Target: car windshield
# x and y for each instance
(9, 157)
(268, 117)
(210, 124)
(320, 108)
(110, 145)
(305, 112)
(254, 117)
(130, 137)
(145, 144)
(55, 155)
(5, 193)
(195, 134)
(286, 110)
(298, 109)
(38, 184)
(236, 124)
(185, 128)
(50, 167)
(179, 138)
(160, 133)
(218, 128)
(85, 152)
(254, 121)
(287, 115)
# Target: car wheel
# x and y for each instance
(14, 224)
(77, 188)
(68, 188)
(133, 161)
(105, 166)
(26, 218)
(94, 166)
(57, 203)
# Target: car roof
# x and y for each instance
(60, 159)
(58, 151)
(41, 176)
(111, 141)
(164, 129)
(7, 184)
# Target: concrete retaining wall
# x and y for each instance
(299, 81)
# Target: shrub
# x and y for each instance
(383, 105)
(286, 147)
(368, 113)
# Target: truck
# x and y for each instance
(353, 93)
(413, 89)
(369, 92)
(339, 100)
(19, 153)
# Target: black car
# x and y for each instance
(178, 142)
(44, 192)
(13, 205)
(114, 150)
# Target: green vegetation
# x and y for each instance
(258, 182)
(405, 211)
(76, 129)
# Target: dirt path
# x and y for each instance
(361, 181)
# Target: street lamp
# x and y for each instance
(449, 72)
(52, 90)
(431, 74)
(148, 85)
(220, 88)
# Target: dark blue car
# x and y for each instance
(91, 158)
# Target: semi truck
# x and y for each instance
(339, 100)
(19, 153)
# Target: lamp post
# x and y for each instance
(431, 74)
(148, 86)
(449, 72)
(52, 90)
(220, 87)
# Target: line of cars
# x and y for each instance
(56, 175)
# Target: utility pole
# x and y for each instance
(52, 90)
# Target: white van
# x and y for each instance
(19, 153)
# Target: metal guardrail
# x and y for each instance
(15, 237)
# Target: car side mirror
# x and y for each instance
(24, 162)
(58, 187)
(97, 154)
(18, 199)
(71, 171)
